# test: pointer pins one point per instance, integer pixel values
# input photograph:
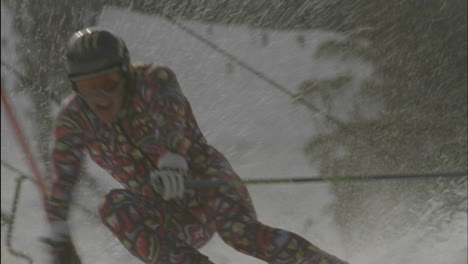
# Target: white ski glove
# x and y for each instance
(169, 179)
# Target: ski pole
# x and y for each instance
(24, 146)
(330, 179)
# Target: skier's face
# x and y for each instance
(104, 94)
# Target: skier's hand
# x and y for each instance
(169, 179)
(62, 251)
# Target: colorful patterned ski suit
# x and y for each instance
(157, 118)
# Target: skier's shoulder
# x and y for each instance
(159, 81)
(69, 105)
(154, 72)
(71, 110)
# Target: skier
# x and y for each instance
(134, 122)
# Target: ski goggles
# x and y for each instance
(108, 88)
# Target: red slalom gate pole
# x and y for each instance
(24, 146)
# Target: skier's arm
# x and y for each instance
(182, 133)
(168, 109)
(67, 154)
(200, 152)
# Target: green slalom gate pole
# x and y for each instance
(331, 179)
